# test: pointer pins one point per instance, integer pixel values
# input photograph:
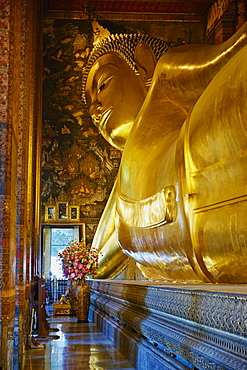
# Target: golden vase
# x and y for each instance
(83, 299)
(72, 297)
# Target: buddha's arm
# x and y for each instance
(183, 72)
(111, 260)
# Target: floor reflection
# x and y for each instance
(80, 346)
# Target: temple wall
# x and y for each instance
(20, 110)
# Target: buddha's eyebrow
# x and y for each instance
(101, 71)
(108, 64)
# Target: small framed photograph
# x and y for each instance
(62, 211)
(50, 213)
(74, 213)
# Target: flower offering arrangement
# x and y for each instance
(79, 260)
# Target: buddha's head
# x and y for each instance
(116, 80)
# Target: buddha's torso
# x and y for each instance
(197, 175)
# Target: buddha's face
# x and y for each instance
(114, 95)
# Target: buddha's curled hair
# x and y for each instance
(124, 45)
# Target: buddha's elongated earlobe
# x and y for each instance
(145, 62)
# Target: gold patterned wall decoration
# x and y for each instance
(76, 159)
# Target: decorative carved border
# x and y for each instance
(203, 328)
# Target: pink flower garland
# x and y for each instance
(79, 260)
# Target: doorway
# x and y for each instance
(55, 238)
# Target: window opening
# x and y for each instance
(60, 238)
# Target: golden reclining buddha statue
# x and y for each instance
(179, 203)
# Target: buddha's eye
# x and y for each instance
(103, 82)
(101, 87)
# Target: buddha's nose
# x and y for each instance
(95, 112)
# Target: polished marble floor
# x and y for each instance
(74, 346)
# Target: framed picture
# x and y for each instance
(50, 213)
(62, 211)
(74, 213)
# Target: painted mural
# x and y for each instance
(76, 159)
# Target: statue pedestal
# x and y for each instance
(173, 326)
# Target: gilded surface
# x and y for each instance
(19, 177)
(187, 132)
(83, 301)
